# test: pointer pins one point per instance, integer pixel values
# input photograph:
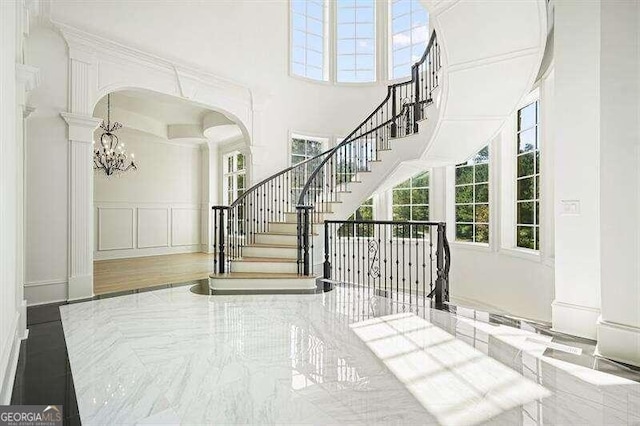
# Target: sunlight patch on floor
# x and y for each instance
(456, 383)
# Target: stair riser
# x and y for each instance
(288, 228)
(293, 218)
(265, 267)
(276, 239)
(271, 252)
(262, 284)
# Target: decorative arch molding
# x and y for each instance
(98, 66)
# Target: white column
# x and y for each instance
(619, 325)
(80, 268)
(81, 126)
(576, 197)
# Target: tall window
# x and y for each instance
(472, 198)
(364, 212)
(409, 34)
(234, 176)
(308, 38)
(302, 149)
(528, 178)
(411, 198)
(356, 41)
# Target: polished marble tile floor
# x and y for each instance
(171, 356)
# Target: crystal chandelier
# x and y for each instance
(110, 156)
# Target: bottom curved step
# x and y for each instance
(246, 281)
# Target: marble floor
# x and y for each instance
(343, 357)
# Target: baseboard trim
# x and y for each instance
(9, 363)
(618, 342)
(576, 320)
(46, 291)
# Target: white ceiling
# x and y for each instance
(168, 116)
(165, 109)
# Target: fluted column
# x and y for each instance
(80, 260)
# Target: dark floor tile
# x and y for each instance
(72, 421)
(45, 337)
(21, 367)
(52, 362)
(48, 391)
(17, 395)
(43, 313)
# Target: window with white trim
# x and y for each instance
(302, 149)
(472, 198)
(409, 28)
(234, 176)
(308, 24)
(528, 177)
(356, 41)
(411, 199)
(364, 212)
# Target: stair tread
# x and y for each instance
(265, 259)
(259, 275)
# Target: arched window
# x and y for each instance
(409, 34)
(356, 41)
(308, 24)
(472, 198)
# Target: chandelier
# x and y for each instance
(110, 156)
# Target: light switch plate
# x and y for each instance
(570, 207)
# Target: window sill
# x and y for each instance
(471, 246)
(525, 254)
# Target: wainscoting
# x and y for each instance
(124, 230)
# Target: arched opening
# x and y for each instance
(154, 185)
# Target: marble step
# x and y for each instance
(289, 228)
(278, 238)
(265, 265)
(322, 216)
(261, 282)
(289, 251)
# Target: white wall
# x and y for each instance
(12, 314)
(155, 209)
(619, 155)
(46, 171)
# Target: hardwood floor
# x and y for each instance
(127, 274)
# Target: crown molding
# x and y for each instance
(86, 47)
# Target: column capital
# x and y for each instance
(81, 127)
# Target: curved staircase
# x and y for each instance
(457, 98)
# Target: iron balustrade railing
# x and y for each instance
(403, 261)
(237, 225)
(307, 189)
(397, 116)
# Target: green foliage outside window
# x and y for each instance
(411, 202)
(364, 212)
(472, 198)
(528, 178)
